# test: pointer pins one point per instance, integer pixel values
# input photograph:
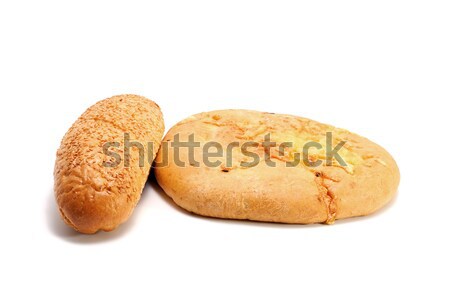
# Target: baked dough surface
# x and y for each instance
(94, 197)
(301, 194)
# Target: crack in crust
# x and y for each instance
(327, 196)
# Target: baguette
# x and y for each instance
(94, 190)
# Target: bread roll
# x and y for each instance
(96, 190)
(303, 193)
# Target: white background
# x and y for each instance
(378, 68)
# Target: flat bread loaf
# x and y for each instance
(361, 180)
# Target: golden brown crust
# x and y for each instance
(300, 194)
(94, 197)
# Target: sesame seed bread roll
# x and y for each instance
(276, 189)
(94, 189)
